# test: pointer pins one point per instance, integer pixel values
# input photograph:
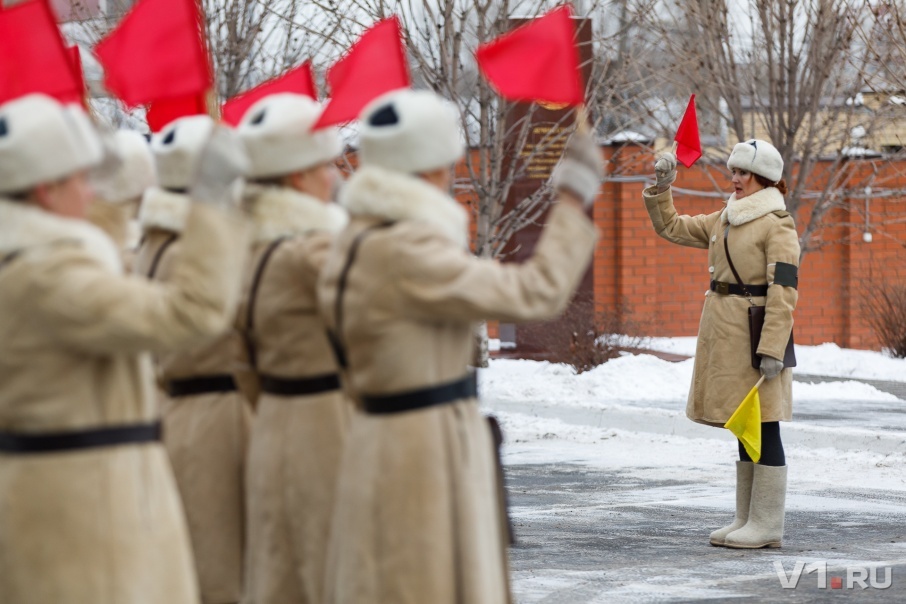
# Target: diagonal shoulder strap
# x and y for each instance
(733, 268)
(335, 335)
(249, 331)
(155, 262)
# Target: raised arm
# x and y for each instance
(690, 231)
(83, 305)
(438, 279)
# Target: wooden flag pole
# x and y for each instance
(675, 144)
(212, 105)
(759, 382)
(582, 125)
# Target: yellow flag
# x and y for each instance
(745, 423)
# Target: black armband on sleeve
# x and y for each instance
(786, 275)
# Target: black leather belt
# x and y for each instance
(734, 289)
(201, 385)
(466, 387)
(300, 386)
(23, 443)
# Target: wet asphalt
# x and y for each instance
(592, 535)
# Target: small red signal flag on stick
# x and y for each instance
(33, 56)
(298, 81)
(536, 62)
(688, 143)
(157, 52)
(375, 64)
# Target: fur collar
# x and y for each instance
(24, 227)
(396, 196)
(163, 209)
(758, 204)
(279, 212)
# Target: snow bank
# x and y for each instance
(630, 377)
(634, 379)
(825, 359)
(831, 360)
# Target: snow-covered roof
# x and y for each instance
(628, 136)
(859, 152)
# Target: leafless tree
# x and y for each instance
(441, 37)
(789, 70)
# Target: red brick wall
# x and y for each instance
(662, 285)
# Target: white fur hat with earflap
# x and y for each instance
(43, 141)
(137, 171)
(410, 131)
(758, 157)
(177, 150)
(278, 138)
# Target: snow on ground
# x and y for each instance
(643, 384)
(684, 346)
(639, 378)
(831, 360)
(825, 359)
(626, 418)
(531, 440)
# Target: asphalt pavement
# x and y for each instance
(589, 534)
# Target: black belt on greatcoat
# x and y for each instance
(466, 387)
(300, 386)
(51, 442)
(200, 385)
(734, 289)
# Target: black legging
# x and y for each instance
(771, 447)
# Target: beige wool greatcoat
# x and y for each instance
(297, 440)
(419, 515)
(206, 435)
(100, 525)
(761, 234)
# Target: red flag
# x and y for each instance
(157, 52)
(299, 81)
(33, 56)
(688, 143)
(162, 112)
(375, 64)
(75, 60)
(536, 62)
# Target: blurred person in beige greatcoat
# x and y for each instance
(206, 418)
(89, 511)
(302, 415)
(115, 206)
(764, 249)
(419, 517)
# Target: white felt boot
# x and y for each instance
(766, 511)
(744, 472)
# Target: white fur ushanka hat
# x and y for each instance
(759, 157)
(137, 172)
(278, 138)
(177, 150)
(410, 131)
(42, 141)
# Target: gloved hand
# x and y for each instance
(665, 171)
(770, 367)
(580, 169)
(104, 177)
(221, 168)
